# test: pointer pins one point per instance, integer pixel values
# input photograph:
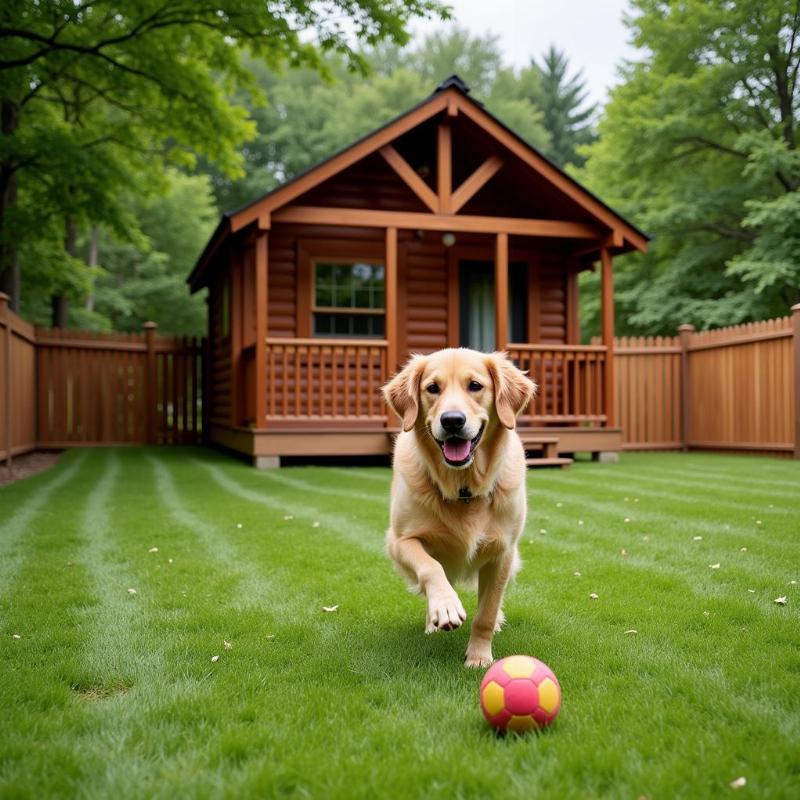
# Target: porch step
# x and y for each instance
(557, 461)
(548, 445)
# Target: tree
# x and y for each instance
(155, 78)
(562, 101)
(699, 146)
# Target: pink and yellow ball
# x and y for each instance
(520, 693)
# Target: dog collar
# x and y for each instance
(465, 494)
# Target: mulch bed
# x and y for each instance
(26, 465)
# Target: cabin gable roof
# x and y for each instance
(451, 98)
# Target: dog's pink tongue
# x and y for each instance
(456, 449)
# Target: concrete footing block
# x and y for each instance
(266, 462)
(606, 456)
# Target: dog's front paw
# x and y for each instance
(445, 612)
(479, 655)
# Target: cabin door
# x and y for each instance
(477, 308)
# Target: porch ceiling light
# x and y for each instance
(448, 239)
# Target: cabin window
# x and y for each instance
(349, 299)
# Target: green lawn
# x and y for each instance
(108, 693)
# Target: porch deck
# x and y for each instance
(323, 398)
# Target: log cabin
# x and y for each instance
(441, 228)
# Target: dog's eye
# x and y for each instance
(474, 386)
(432, 388)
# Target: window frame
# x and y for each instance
(351, 260)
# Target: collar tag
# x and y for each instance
(465, 494)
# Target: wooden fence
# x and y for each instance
(735, 388)
(17, 383)
(65, 388)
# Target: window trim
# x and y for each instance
(314, 308)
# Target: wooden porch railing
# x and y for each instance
(326, 379)
(570, 379)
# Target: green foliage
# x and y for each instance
(562, 100)
(699, 146)
(98, 96)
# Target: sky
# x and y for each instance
(590, 32)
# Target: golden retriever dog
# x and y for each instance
(458, 499)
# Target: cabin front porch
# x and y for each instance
(322, 398)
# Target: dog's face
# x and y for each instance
(457, 394)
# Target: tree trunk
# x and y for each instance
(91, 260)
(58, 302)
(60, 306)
(9, 258)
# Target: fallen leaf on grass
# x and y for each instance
(635, 499)
(227, 644)
(558, 505)
(758, 522)
(627, 519)
(269, 637)
(714, 566)
(15, 636)
(706, 613)
(645, 538)
(170, 560)
(238, 524)
(752, 591)
(594, 596)
(214, 659)
(542, 530)
(631, 632)
(329, 609)
(287, 517)
(131, 591)
(792, 583)
(781, 601)
(315, 524)
(153, 550)
(580, 522)
(742, 549)
(697, 538)
(576, 574)
(623, 552)
(738, 783)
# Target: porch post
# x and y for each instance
(607, 315)
(390, 301)
(501, 291)
(262, 299)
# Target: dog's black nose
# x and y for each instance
(453, 421)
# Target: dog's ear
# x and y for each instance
(402, 391)
(513, 389)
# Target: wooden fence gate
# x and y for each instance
(66, 388)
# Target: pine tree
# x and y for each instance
(562, 100)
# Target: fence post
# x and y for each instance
(685, 336)
(6, 378)
(796, 348)
(150, 382)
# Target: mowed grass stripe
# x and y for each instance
(631, 475)
(113, 658)
(13, 547)
(606, 519)
(252, 588)
(315, 566)
(306, 508)
(633, 486)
